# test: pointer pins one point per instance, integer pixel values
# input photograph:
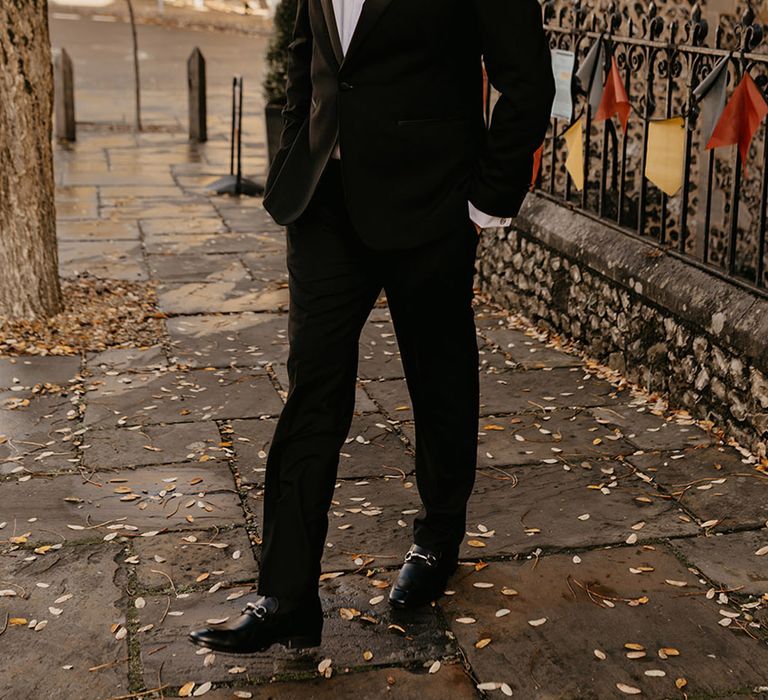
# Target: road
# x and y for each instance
(100, 48)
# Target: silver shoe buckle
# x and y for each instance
(258, 611)
(430, 559)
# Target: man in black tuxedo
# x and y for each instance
(385, 175)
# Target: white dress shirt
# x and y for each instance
(347, 14)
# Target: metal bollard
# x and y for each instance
(64, 97)
(196, 84)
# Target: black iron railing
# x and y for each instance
(718, 219)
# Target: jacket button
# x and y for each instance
(345, 86)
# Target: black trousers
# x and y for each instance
(334, 281)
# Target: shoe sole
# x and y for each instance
(422, 600)
(415, 601)
(292, 643)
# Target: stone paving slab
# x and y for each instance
(116, 196)
(154, 227)
(223, 340)
(377, 530)
(546, 506)
(207, 243)
(563, 435)
(648, 431)
(70, 177)
(174, 397)
(343, 640)
(73, 635)
(225, 557)
(159, 209)
(363, 403)
(69, 509)
(197, 268)
(396, 683)
(97, 229)
(26, 372)
(713, 483)
(556, 657)
(220, 297)
(392, 395)
(372, 449)
(155, 444)
(36, 434)
(730, 559)
(251, 440)
(119, 260)
(516, 391)
(526, 351)
(379, 354)
(267, 266)
(369, 523)
(127, 360)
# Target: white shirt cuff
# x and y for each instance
(484, 220)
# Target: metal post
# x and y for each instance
(239, 136)
(64, 97)
(235, 183)
(196, 84)
(232, 129)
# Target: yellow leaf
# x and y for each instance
(186, 690)
(482, 643)
(475, 543)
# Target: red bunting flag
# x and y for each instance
(536, 165)
(615, 99)
(740, 118)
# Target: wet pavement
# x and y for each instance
(614, 547)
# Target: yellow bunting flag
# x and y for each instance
(666, 154)
(574, 163)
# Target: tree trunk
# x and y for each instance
(29, 279)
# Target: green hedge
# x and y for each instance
(277, 52)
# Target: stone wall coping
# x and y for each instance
(726, 312)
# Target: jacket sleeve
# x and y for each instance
(299, 82)
(517, 58)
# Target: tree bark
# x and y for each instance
(29, 279)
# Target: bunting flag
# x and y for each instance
(710, 94)
(740, 118)
(574, 163)
(536, 164)
(614, 100)
(665, 159)
(590, 74)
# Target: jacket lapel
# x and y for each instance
(372, 11)
(333, 29)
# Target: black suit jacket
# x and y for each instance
(406, 105)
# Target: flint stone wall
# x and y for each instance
(665, 323)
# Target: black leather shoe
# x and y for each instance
(422, 577)
(262, 624)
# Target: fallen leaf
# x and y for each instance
(628, 689)
(202, 689)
